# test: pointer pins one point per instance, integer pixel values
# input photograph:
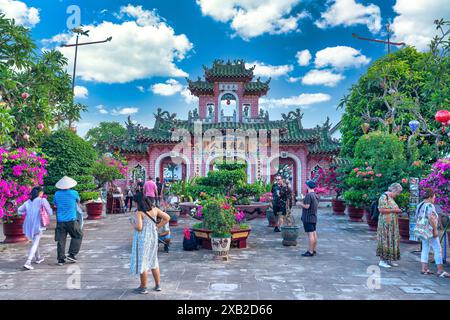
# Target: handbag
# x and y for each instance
(80, 216)
(45, 218)
(423, 230)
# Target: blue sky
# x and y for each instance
(305, 46)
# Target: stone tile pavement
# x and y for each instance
(265, 270)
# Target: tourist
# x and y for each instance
(276, 200)
(151, 190)
(129, 194)
(65, 200)
(165, 236)
(388, 248)
(32, 227)
(309, 217)
(145, 242)
(160, 187)
(427, 210)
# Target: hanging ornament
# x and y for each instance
(40, 126)
(228, 101)
(443, 117)
(414, 125)
(365, 127)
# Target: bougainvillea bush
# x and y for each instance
(108, 169)
(20, 171)
(439, 181)
(329, 181)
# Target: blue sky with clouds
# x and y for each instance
(305, 46)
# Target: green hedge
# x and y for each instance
(86, 196)
(78, 187)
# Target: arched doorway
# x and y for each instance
(138, 172)
(228, 110)
(288, 163)
(172, 167)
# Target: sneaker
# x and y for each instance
(61, 262)
(276, 229)
(72, 258)
(308, 254)
(28, 266)
(157, 288)
(384, 264)
(166, 249)
(393, 264)
(314, 252)
(140, 290)
(39, 260)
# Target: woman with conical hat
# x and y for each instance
(66, 201)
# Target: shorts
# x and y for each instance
(278, 209)
(309, 227)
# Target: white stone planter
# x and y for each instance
(221, 248)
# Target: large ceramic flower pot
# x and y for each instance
(13, 230)
(355, 214)
(238, 237)
(271, 218)
(290, 235)
(94, 210)
(174, 214)
(338, 207)
(221, 248)
(373, 225)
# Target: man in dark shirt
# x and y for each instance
(277, 203)
(309, 217)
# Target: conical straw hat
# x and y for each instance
(66, 183)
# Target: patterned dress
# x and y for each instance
(144, 255)
(388, 248)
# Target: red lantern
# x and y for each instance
(228, 101)
(443, 117)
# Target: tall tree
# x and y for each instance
(106, 132)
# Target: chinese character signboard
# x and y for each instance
(413, 202)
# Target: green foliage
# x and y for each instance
(402, 200)
(216, 219)
(106, 132)
(231, 166)
(36, 89)
(104, 173)
(356, 197)
(79, 187)
(87, 196)
(405, 82)
(69, 155)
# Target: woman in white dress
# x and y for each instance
(144, 255)
(32, 227)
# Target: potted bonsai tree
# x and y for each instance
(219, 219)
(330, 179)
(289, 231)
(402, 201)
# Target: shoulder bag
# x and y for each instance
(44, 216)
(423, 230)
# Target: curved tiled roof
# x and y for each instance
(229, 70)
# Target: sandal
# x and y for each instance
(443, 275)
(428, 272)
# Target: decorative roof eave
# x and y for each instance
(326, 152)
(299, 140)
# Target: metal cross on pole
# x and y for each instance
(388, 41)
(79, 32)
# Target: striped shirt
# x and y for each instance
(66, 205)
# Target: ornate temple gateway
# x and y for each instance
(228, 124)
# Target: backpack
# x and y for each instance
(374, 211)
(191, 243)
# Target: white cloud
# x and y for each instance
(304, 99)
(169, 88)
(81, 92)
(18, 10)
(267, 70)
(340, 57)
(124, 111)
(101, 109)
(252, 18)
(294, 79)
(349, 13)
(414, 22)
(141, 48)
(303, 57)
(188, 97)
(322, 77)
(140, 88)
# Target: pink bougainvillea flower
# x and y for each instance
(404, 180)
(25, 95)
(226, 206)
(379, 175)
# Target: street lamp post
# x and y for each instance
(79, 32)
(388, 41)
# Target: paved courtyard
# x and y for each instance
(265, 270)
